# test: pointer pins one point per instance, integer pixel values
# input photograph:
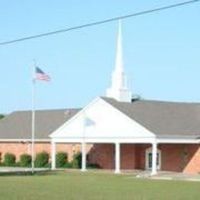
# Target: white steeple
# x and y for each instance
(118, 89)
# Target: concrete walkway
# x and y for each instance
(162, 175)
(165, 175)
(20, 169)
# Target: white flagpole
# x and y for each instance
(33, 120)
(83, 145)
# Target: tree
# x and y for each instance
(137, 97)
(2, 116)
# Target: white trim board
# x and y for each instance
(24, 140)
(178, 141)
(105, 140)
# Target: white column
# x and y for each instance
(83, 152)
(117, 158)
(53, 155)
(154, 159)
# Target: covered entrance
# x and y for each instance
(101, 123)
(118, 156)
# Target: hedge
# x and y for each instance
(77, 160)
(9, 159)
(42, 159)
(61, 159)
(25, 160)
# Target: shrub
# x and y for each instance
(77, 160)
(25, 160)
(68, 165)
(61, 159)
(42, 159)
(9, 159)
(0, 157)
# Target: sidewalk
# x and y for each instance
(165, 175)
(20, 169)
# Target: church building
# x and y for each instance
(114, 131)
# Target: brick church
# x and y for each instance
(115, 131)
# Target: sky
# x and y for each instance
(161, 52)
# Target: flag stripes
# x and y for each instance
(40, 75)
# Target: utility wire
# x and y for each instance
(99, 22)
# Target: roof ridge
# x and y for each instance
(151, 101)
(41, 110)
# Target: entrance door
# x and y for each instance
(149, 159)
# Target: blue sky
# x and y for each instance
(161, 52)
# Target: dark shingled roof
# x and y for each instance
(165, 119)
(17, 125)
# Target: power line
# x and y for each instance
(99, 22)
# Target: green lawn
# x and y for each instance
(92, 186)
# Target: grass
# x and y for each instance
(93, 186)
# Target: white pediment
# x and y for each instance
(101, 120)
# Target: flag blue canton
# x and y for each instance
(40, 75)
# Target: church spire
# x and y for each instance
(119, 55)
(118, 89)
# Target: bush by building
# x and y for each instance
(42, 159)
(25, 160)
(77, 160)
(9, 159)
(61, 159)
(68, 165)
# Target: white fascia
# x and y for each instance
(24, 140)
(177, 141)
(105, 140)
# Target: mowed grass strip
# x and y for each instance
(92, 186)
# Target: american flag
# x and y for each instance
(40, 75)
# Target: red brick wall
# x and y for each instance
(193, 154)
(103, 155)
(140, 158)
(175, 157)
(181, 157)
(15, 148)
(128, 156)
(172, 158)
(19, 148)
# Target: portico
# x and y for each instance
(117, 153)
(101, 123)
(154, 155)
